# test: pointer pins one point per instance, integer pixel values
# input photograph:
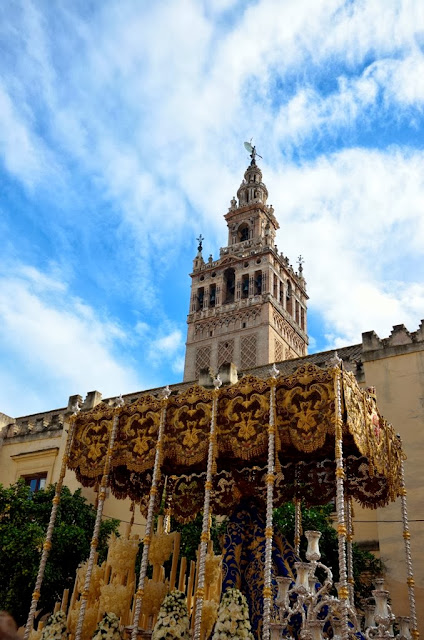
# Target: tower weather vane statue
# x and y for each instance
(252, 150)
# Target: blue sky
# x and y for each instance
(121, 133)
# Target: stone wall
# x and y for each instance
(395, 367)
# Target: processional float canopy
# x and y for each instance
(305, 419)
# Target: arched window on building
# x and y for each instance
(243, 232)
(200, 298)
(212, 295)
(289, 298)
(258, 283)
(229, 285)
(281, 293)
(275, 286)
(245, 286)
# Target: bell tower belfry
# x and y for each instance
(249, 306)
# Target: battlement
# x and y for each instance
(43, 424)
(49, 424)
(39, 423)
(399, 342)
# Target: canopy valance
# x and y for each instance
(305, 420)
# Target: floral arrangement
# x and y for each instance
(233, 617)
(55, 628)
(108, 628)
(173, 622)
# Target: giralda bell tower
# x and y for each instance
(249, 306)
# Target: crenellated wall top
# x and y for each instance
(399, 342)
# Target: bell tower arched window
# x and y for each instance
(245, 286)
(289, 298)
(200, 298)
(212, 295)
(243, 232)
(258, 283)
(229, 285)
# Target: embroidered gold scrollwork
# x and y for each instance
(187, 428)
(305, 408)
(355, 414)
(243, 416)
(90, 445)
(137, 434)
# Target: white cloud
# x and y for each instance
(169, 343)
(163, 346)
(167, 350)
(58, 345)
(376, 306)
(141, 328)
(179, 97)
(62, 348)
(178, 365)
(41, 282)
(400, 79)
(220, 5)
(22, 153)
(355, 216)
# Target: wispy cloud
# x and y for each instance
(356, 217)
(163, 346)
(25, 155)
(64, 344)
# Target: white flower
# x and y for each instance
(55, 628)
(233, 617)
(108, 628)
(173, 621)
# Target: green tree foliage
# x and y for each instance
(24, 518)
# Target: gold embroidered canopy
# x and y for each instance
(305, 443)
